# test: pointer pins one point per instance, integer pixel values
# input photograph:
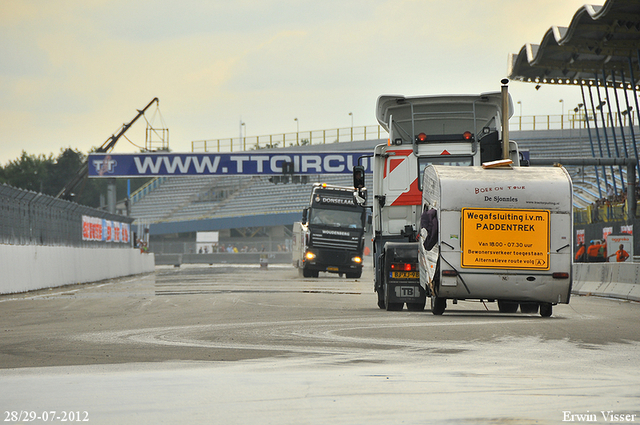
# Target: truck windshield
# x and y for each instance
(441, 160)
(336, 218)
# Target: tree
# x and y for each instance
(47, 175)
(29, 172)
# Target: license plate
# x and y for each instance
(332, 269)
(405, 275)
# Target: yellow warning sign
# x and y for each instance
(505, 238)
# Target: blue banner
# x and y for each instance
(248, 163)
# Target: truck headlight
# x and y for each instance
(357, 260)
(310, 255)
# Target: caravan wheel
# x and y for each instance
(507, 306)
(546, 309)
(529, 308)
(438, 305)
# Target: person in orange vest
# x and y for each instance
(621, 254)
(593, 252)
(580, 255)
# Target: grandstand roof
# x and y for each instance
(599, 39)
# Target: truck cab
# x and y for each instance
(330, 237)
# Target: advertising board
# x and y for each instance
(101, 230)
(620, 248)
(248, 163)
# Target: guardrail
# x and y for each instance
(564, 122)
(280, 140)
(371, 132)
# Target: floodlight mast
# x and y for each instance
(107, 146)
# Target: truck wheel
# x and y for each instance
(438, 305)
(419, 306)
(309, 273)
(546, 309)
(391, 306)
(507, 306)
(394, 306)
(354, 275)
(529, 308)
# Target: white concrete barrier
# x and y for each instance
(618, 280)
(29, 267)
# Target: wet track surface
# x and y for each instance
(236, 344)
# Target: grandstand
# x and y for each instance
(197, 198)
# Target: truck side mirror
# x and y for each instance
(360, 195)
(305, 213)
(358, 177)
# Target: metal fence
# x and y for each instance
(565, 122)
(282, 140)
(602, 213)
(373, 132)
(30, 218)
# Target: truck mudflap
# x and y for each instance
(401, 280)
(409, 292)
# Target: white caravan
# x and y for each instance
(500, 234)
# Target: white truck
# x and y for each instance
(461, 130)
(330, 237)
(498, 234)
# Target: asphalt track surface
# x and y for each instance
(233, 344)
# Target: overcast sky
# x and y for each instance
(73, 71)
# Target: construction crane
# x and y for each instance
(107, 146)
